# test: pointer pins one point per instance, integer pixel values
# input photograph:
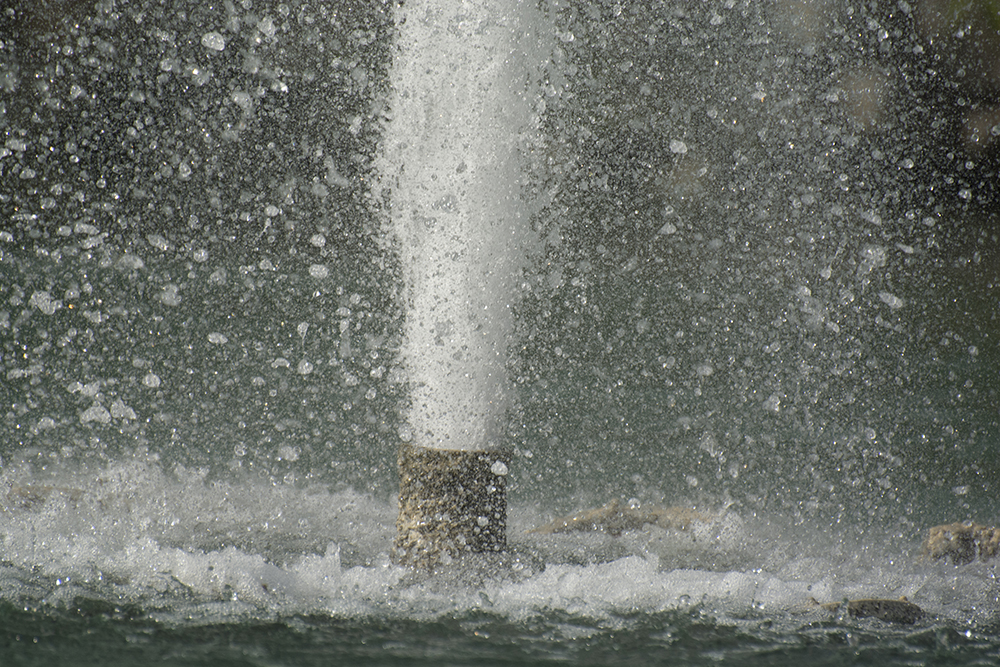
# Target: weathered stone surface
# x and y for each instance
(962, 542)
(616, 517)
(451, 502)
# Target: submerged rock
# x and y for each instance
(891, 611)
(617, 517)
(29, 496)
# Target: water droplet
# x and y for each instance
(95, 413)
(158, 242)
(288, 453)
(213, 40)
(44, 302)
(121, 411)
(891, 300)
(266, 26)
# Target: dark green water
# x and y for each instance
(85, 632)
(689, 638)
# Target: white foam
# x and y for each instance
(134, 532)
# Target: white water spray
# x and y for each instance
(460, 116)
(461, 112)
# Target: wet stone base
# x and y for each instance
(451, 503)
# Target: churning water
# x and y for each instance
(766, 286)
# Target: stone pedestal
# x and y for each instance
(451, 502)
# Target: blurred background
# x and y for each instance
(767, 274)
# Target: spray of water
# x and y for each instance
(460, 114)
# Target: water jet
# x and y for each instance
(460, 114)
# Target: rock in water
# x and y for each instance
(962, 542)
(617, 517)
(891, 611)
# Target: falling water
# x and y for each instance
(461, 115)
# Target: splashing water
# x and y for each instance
(767, 285)
(461, 110)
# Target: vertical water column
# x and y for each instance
(460, 113)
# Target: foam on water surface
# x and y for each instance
(182, 546)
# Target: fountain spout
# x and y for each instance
(460, 112)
